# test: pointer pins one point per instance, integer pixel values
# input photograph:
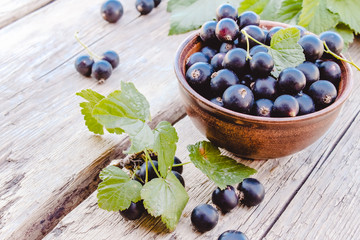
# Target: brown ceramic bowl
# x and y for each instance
(252, 136)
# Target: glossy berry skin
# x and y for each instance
(285, 106)
(227, 30)
(101, 70)
(112, 57)
(271, 33)
(179, 177)
(306, 104)
(112, 11)
(207, 32)
(199, 75)
(252, 190)
(151, 171)
(226, 47)
(330, 71)
(209, 52)
(134, 211)
(247, 80)
(238, 98)
(235, 60)
(226, 199)
(83, 64)
(217, 61)
(263, 108)
(266, 87)
(232, 235)
(204, 217)
(196, 57)
(221, 80)
(333, 40)
(301, 29)
(311, 72)
(248, 18)
(218, 101)
(257, 49)
(323, 93)
(144, 7)
(261, 64)
(156, 3)
(226, 11)
(253, 31)
(178, 169)
(312, 46)
(291, 80)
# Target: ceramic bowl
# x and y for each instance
(250, 136)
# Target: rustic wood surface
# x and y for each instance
(50, 161)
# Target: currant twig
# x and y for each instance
(327, 50)
(180, 164)
(92, 55)
(152, 163)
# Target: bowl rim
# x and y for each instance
(230, 113)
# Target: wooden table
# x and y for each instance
(50, 161)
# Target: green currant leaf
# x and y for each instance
(173, 4)
(316, 17)
(256, 6)
(166, 198)
(289, 11)
(221, 169)
(348, 11)
(117, 190)
(92, 98)
(270, 11)
(285, 50)
(165, 145)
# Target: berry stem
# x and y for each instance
(247, 45)
(152, 163)
(92, 55)
(180, 164)
(327, 50)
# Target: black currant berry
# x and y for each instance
(333, 40)
(306, 104)
(204, 217)
(235, 60)
(330, 71)
(112, 57)
(301, 29)
(209, 52)
(221, 80)
(285, 106)
(178, 169)
(265, 88)
(138, 178)
(199, 75)
(151, 171)
(226, 11)
(312, 46)
(217, 61)
(179, 177)
(83, 65)
(156, 3)
(207, 32)
(271, 33)
(101, 70)
(227, 30)
(291, 80)
(311, 72)
(238, 98)
(258, 48)
(196, 57)
(225, 47)
(134, 211)
(218, 101)
(226, 199)
(232, 235)
(144, 6)
(253, 192)
(247, 80)
(323, 93)
(248, 18)
(255, 32)
(261, 64)
(112, 11)
(263, 108)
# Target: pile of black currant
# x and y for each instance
(222, 73)
(205, 217)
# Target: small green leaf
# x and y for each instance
(289, 11)
(270, 11)
(285, 50)
(166, 198)
(256, 6)
(173, 4)
(346, 33)
(222, 170)
(165, 145)
(348, 11)
(117, 190)
(87, 107)
(316, 17)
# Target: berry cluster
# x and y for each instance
(205, 217)
(241, 80)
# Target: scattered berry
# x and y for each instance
(83, 65)
(204, 217)
(156, 3)
(112, 11)
(151, 171)
(253, 192)
(179, 177)
(232, 235)
(111, 57)
(178, 169)
(225, 199)
(134, 211)
(101, 70)
(144, 7)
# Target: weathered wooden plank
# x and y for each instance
(12, 10)
(44, 140)
(282, 178)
